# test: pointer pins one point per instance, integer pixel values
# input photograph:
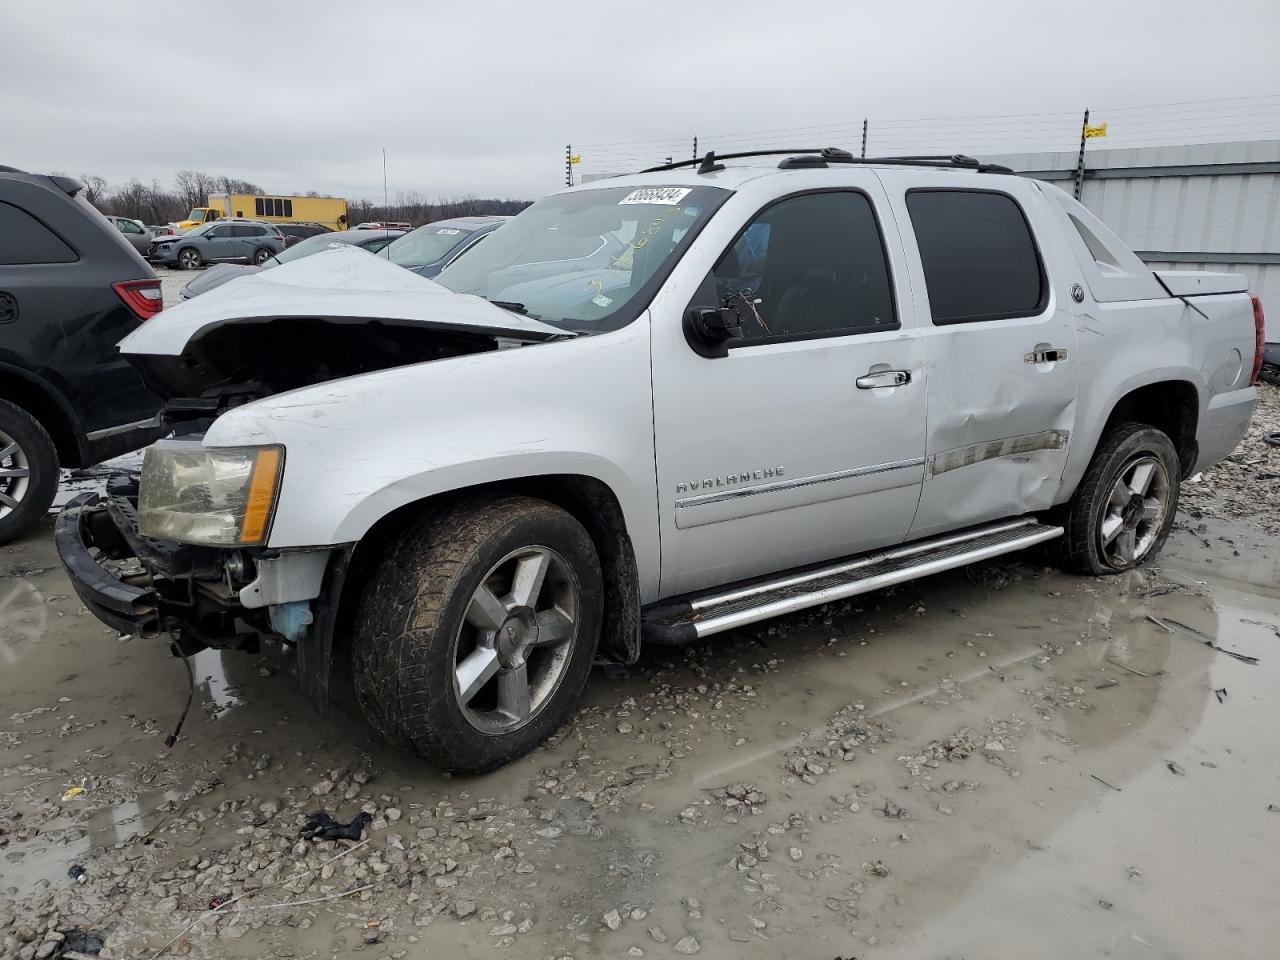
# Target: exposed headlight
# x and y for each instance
(217, 496)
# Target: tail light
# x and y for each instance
(1259, 338)
(143, 297)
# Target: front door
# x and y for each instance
(220, 244)
(806, 441)
(1000, 348)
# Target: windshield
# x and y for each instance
(425, 245)
(197, 213)
(584, 260)
(203, 228)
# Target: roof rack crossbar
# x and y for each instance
(711, 162)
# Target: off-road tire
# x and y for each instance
(192, 262)
(412, 607)
(1079, 549)
(42, 457)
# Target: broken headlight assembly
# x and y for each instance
(213, 496)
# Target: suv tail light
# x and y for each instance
(143, 297)
(1259, 338)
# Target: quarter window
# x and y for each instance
(24, 239)
(808, 266)
(980, 261)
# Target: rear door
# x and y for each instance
(999, 345)
(245, 240)
(806, 441)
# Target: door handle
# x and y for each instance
(883, 378)
(1046, 355)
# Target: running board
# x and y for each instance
(682, 621)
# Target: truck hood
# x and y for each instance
(335, 314)
(342, 285)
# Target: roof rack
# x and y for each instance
(810, 157)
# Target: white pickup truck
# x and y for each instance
(648, 410)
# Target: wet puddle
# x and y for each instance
(996, 763)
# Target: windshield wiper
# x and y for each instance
(510, 305)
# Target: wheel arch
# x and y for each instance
(1172, 406)
(587, 499)
(47, 404)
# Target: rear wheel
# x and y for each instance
(476, 633)
(1123, 509)
(189, 259)
(28, 471)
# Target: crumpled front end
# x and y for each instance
(201, 597)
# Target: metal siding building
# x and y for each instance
(1208, 206)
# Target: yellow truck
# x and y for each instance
(328, 211)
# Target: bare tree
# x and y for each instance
(95, 187)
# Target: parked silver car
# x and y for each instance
(432, 247)
(217, 275)
(134, 231)
(224, 241)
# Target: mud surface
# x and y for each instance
(1000, 762)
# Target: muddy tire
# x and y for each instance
(1123, 509)
(476, 632)
(28, 471)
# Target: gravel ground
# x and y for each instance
(1244, 485)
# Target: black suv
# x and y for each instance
(297, 232)
(71, 287)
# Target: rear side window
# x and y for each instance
(24, 239)
(980, 261)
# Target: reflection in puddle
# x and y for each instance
(24, 615)
(211, 676)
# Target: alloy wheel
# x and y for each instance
(15, 474)
(515, 642)
(1135, 511)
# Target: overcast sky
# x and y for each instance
(481, 97)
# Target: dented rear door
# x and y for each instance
(999, 346)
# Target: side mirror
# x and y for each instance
(709, 330)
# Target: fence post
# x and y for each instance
(864, 138)
(695, 148)
(1084, 129)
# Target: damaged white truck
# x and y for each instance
(648, 410)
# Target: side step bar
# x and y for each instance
(680, 621)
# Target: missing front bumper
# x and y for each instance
(149, 588)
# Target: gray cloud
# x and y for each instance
(482, 97)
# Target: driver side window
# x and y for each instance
(812, 265)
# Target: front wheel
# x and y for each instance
(189, 259)
(477, 631)
(1123, 509)
(262, 256)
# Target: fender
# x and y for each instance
(360, 448)
(1091, 423)
(54, 395)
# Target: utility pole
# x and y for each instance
(864, 138)
(1084, 135)
(568, 165)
